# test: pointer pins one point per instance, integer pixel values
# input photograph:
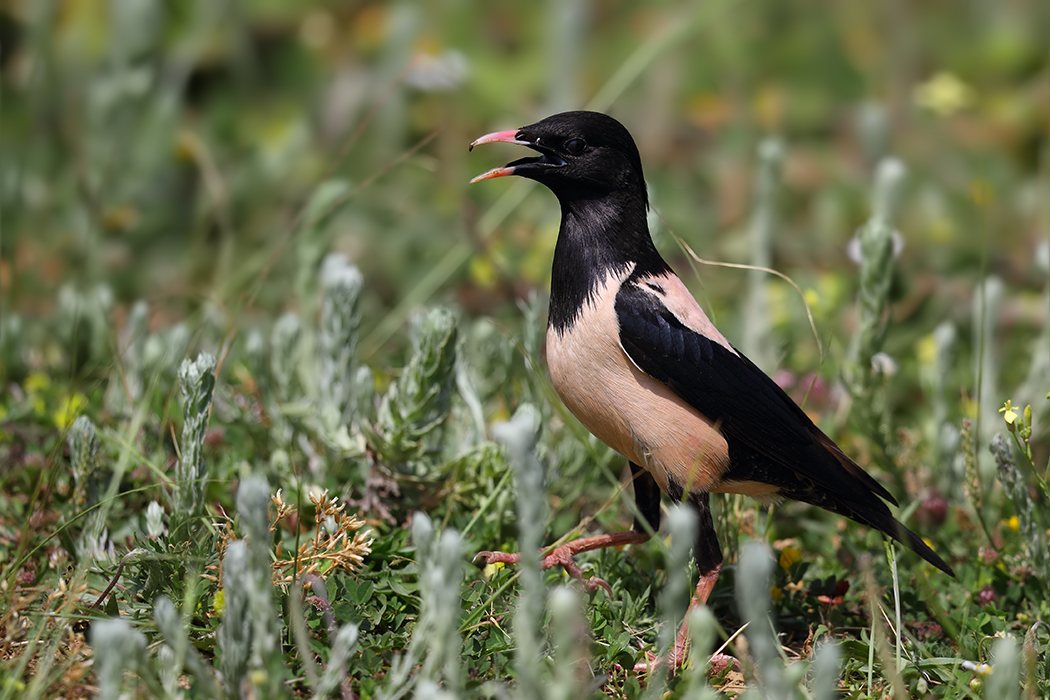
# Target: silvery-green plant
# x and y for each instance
(418, 401)
(519, 436)
(341, 283)
(756, 341)
(119, 647)
(249, 636)
(179, 654)
(284, 355)
(1030, 656)
(865, 373)
(1032, 527)
(90, 483)
(236, 631)
(702, 630)
(753, 581)
(135, 335)
(567, 650)
(826, 671)
(363, 394)
(681, 522)
(279, 377)
(154, 519)
(335, 672)
(1002, 682)
(197, 378)
(253, 500)
(440, 610)
(435, 643)
(873, 127)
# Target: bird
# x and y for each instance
(634, 357)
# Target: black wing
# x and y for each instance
(781, 444)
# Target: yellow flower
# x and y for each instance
(1009, 413)
(789, 556)
(812, 297)
(490, 570)
(1013, 523)
(483, 271)
(927, 350)
(979, 671)
(944, 94)
(37, 382)
(69, 409)
(219, 603)
(776, 593)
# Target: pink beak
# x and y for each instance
(510, 136)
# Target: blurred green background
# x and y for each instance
(164, 149)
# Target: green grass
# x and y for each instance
(281, 186)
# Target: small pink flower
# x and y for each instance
(986, 596)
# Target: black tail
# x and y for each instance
(873, 513)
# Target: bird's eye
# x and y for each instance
(575, 146)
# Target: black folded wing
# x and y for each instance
(781, 445)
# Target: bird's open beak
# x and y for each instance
(498, 137)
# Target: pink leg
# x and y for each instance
(564, 554)
(703, 591)
(708, 557)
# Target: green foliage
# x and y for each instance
(418, 401)
(282, 187)
(870, 367)
(1033, 523)
(337, 340)
(197, 379)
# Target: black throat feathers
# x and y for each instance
(597, 237)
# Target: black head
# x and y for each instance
(583, 155)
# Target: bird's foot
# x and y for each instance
(558, 556)
(563, 556)
(715, 665)
(675, 660)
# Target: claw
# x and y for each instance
(494, 557)
(647, 666)
(555, 558)
(594, 582)
(564, 554)
(716, 664)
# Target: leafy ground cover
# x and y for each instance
(272, 373)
